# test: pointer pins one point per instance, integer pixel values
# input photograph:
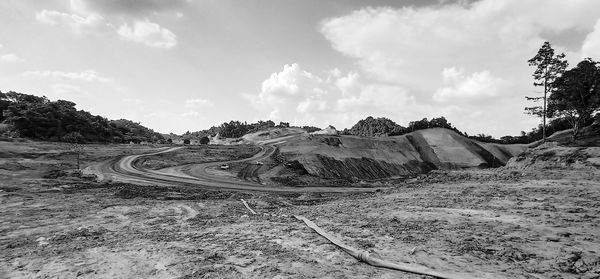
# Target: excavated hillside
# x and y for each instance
(560, 152)
(362, 158)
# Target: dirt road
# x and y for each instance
(124, 170)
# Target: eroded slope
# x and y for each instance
(351, 157)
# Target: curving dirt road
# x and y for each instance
(123, 169)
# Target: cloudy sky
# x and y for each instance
(179, 65)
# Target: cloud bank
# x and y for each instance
(11, 58)
(466, 59)
(87, 75)
(148, 33)
(296, 95)
(131, 17)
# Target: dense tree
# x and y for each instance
(548, 67)
(4, 102)
(577, 94)
(440, 122)
(73, 137)
(204, 140)
(419, 125)
(39, 118)
(372, 127)
(236, 129)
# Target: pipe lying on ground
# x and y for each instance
(365, 257)
(247, 206)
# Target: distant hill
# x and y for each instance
(29, 116)
(375, 127)
(383, 127)
(237, 129)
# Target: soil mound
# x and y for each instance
(552, 156)
(330, 130)
(362, 158)
(587, 137)
(271, 135)
(560, 152)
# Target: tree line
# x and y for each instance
(39, 118)
(237, 129)
(381, 126)
(570, 95)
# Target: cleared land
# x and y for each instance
(537, 218)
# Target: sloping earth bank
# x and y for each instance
(359, 158)
(551, 156)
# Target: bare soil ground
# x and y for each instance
(495, 223)
(198, 154)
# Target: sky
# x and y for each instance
(186, 65)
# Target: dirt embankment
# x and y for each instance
(551, 156)
(586, 137)
(360, 158)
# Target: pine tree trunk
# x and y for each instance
(575, 130)
(544, 112)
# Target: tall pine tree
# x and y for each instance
(548, 68)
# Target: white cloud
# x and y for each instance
(87, 75)
(148, 33)
(489, 40)
(406, 45)
(591, 44)
(289, 83)
(75, 22)
(480, 85)
(304, 98)
(11, 58)
(128, 7)
(196, 103)
(86, 15)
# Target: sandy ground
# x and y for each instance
(490, 223)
